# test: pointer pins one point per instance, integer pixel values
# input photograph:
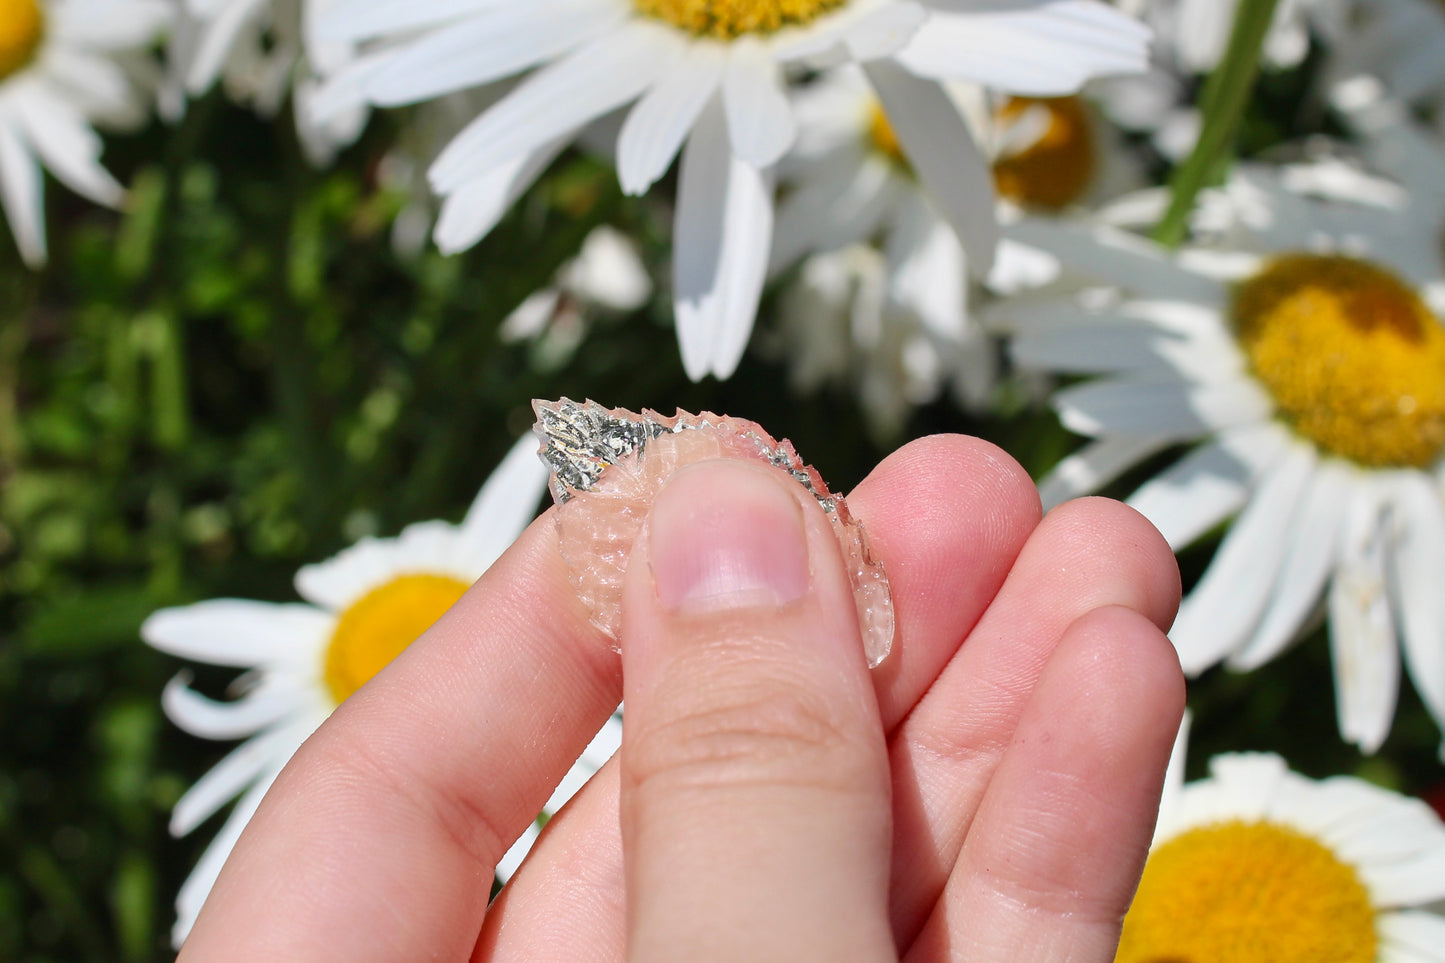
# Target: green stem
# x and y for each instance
(1223, 101)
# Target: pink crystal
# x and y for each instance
(607, 464)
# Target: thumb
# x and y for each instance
(755, 793)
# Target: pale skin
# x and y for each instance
(987, 794)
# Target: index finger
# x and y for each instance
(379, 839)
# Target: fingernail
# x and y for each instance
(727, 535)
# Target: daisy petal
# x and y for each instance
(760, 119)
(240, 768)
(842, 203)
(197, 887)
(1414, 936)
(68, 146)
(658, 124)
(351, 20)
(587, 83)
(1362, 632)
(1313, 548)
(943, 154)
(469, 213)
(238, 633)
(1144, 405)
(217, 39)
(497, 43)
(506, 504)
(1222, 610)
(1096, 464)
(1419, 560)
(1207, 485)
(209, 719)
(724, 225)
(1116, 258)
(22, 190)
(1043, 49)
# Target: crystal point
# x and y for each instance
(608, 463)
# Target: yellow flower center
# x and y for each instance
(1056, 165)
(22, 27)
(1238, 892)
(727, 19)
(376, 627)
(884, 139)
(1354, 359)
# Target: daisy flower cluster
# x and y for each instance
(957, 215)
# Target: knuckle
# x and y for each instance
(746, 735)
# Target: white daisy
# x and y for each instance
(1307, 361)
(261, 51)
(849, 182)
(61, 71)
(1401, 42)
(840, 324)
(1258, 864)
(361, 608)
(1197, 31)
(607, 275)
(710, 73)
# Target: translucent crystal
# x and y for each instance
(607, 464)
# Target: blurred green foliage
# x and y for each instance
(238, 376)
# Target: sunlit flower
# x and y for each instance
(361, 609)
(1305, 358)
(61, 71)
(707, 78)
(261, 51)
(1258, 864)
(840, 323)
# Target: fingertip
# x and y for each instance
(1107, 527)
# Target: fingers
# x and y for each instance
(1085, 555)
(379, 839)
(753, 749)
(947, 515)
(1054, 854)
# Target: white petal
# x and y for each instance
(1146, 405)
(494, 44)
(22, 189)
(943, 154)
(1203, 32)
(928, 268)
(197, 887)
(469, 213)
(239, 633)
(585, 84)
(109, 26)
(840, 204)
(240, 768)
(1362, 632)
(1043, 49)
(608, 271)
(68, 146)
(506, 504)
(192, 712)
(1096, 464)
(351, 20)
(658, 124)
(218, 36)
(1098, 348)
(723, 226)
(1114, 257)
(1221, 612)
(760, 119)
(1418, 571)
(1411, 937)
(1314, 546)
(511, 860)
(1207, 485)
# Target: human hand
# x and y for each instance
(987, 794)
